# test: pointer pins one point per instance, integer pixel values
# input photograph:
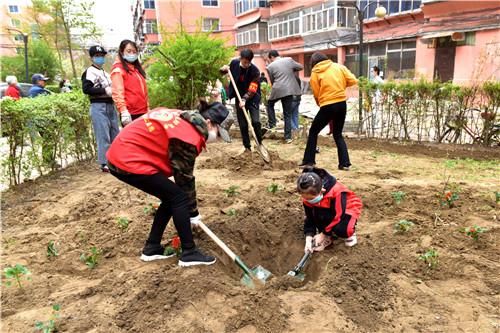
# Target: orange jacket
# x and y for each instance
(129, 89)
(329, 81)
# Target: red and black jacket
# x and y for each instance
(339, 204)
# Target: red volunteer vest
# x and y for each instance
(142, 146)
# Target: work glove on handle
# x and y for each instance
(322, 241)
(108, 91)
(308, 248)
(195, 221)
(126, 118)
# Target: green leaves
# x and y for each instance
(474, 231)
(16, 273)
(430, 257)
(50, 325)
(91, 259)
(403, 226)
(232, 191)
(122, 223)
(51, 250)
(398, 196)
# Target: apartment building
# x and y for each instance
(15, 18)
(447, 40)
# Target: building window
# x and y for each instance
(251, 34)
(211, 24)
(18, 38)
(15, 23)
(150, 27)
(14, 9)
(393, 7)
(242, 6)
(401, 59)
(470, 39)
(210, 3)
(284, 26)
(149, 4)
(322, 17)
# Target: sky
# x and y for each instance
(114, 18)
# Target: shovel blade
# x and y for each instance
(297, 275)
(262, 150)
(259, 276)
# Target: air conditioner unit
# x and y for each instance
(458, 36)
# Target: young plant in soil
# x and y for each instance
(473, 232)
(430, 258)
(50, 325)
(398, 196)
(273, 188)
(403, 226)
(232, 191)
(51, 250)
(16, 273)
(231, 212)
(91, 258)
(151, 208)
(122, 223)
(174, 247)
(448, 198)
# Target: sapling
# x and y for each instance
(430, 258)
(232, 191)
(51, 249)
(473, 232)
(403, 226)
(448, 198)
(16, 273)
(398, 196)
(50, 325)
(91, 259)
(231, 212)
(122, 223)
(174, 247)
(151, 208)
(273, 188)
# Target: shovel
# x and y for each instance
(261, 149)
(251, 277)
(298, 271)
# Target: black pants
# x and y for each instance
(271, 114)
(174, 203)
(287, 105)
(335, 112)
(135, 116)
(242, 122)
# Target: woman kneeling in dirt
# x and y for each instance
(330, 207)
(165, 143)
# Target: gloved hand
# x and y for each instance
(308, 248)
(108, 91)
(126, 118)
(195, 221)
(224, 69)
(242, 103)
(322, 241)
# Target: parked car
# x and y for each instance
(25, 88)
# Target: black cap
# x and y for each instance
(218, 114)
(96, 49)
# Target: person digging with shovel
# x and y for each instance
(330, 207)
(160, 144)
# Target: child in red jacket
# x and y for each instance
(330, 207)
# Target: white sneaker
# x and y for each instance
(351, 241)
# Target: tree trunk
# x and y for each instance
(68, 41)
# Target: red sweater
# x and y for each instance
(129, 89)
(13, 92)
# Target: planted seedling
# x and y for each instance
(231, 212)
(448, 198)
(151, 208)
(174, 247)
(398, 196)
(232, 191)
(50, 325)
(16, 273)
(403, 226)
(273, 188)
(91, 258)
(473, 232)
(430, 258)
(51, 250)
(122, 223)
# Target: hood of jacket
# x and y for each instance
(322, 66)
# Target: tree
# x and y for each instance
(186, 63)
(41, 59)
(64, 24)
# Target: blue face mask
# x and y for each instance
(316, 200)
(99, 60)
(130, 57)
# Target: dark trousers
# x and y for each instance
(135, 116)
(332, 112)
(287, 104)
(242, 122)
(271, 114)
(174, 203)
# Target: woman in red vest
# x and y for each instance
(161, 144)
(128, 79)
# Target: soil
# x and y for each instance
(379, 285)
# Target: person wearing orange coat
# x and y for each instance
(130, 92)
(328, 82)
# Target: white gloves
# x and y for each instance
(126, 118)
(308, 248)
(224, 68)
(108, 91)
(195, 221)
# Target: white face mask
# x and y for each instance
(212, 136)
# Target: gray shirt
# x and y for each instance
(282, 74)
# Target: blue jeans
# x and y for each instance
(105, 124)
(295, 114)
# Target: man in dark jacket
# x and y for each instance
(247, 77)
